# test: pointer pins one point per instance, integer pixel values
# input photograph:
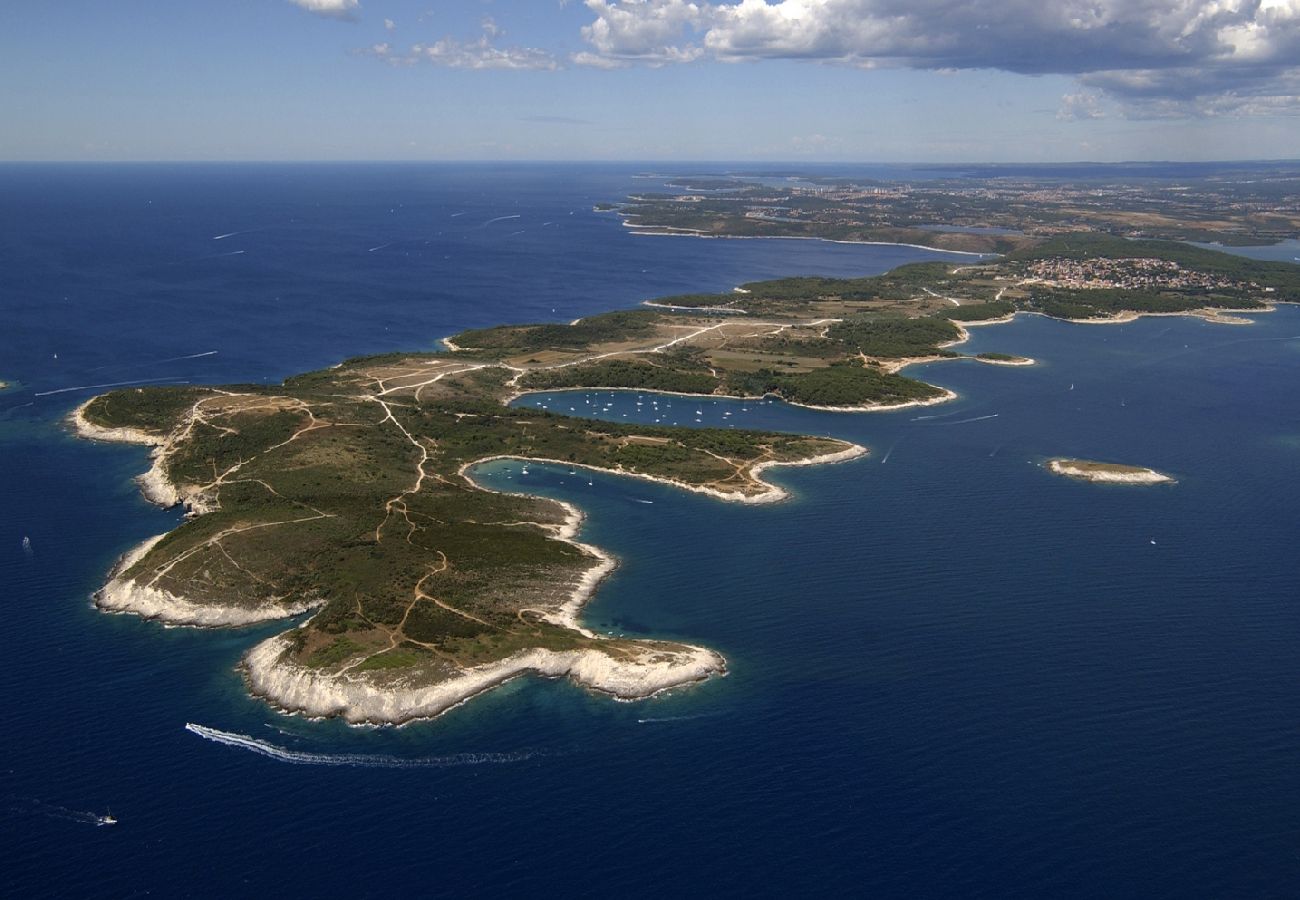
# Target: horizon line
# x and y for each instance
(674, 162)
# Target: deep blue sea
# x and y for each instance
(951, 673)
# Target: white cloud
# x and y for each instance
(480, 54)
(644, 29)
(334, 9)
(1082, 105)
(1135, 50)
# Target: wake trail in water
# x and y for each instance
(53, 811)
(656, 720)
(356, 760)
(500, 219)
(976, 419)
(156, 362)
(935, 416)
(228, 234)
(381, 247)
(92, 387)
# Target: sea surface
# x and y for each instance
(952, 674)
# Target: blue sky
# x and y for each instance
(817, 80)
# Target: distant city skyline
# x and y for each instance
(651, 80)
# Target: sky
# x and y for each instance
(650, 80)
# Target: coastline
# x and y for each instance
(644, 670)
(123, 596)
(645, 230)
(772, 494)
(154, 484)
(1018, 361)
(946, 396)
(625, 670)
(1212, 315)
(724, 310)
(293, 688)
(654, 668)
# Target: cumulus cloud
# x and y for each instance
(646, 30)
(1140, 51)
(333, 9)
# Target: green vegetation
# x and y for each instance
(902, 283)
(614, 326)
(841, 384)
(342, 489)
(980, 312)
(154, 410)
(696, 301)
(622, 373)
(894, 337)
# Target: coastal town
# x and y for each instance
(1129, 274)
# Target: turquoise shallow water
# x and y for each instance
(951, 673)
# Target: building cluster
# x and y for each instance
(1128, 274)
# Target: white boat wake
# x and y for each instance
(92, 387)
(53, 811)
(359, 760)
(976, 419)
(655, 720)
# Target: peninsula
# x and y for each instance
(348, 493)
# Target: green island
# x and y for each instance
(348, 493)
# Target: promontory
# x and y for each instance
(346, 496)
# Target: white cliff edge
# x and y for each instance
(297, 688)
(125, 595)
(153, 483)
